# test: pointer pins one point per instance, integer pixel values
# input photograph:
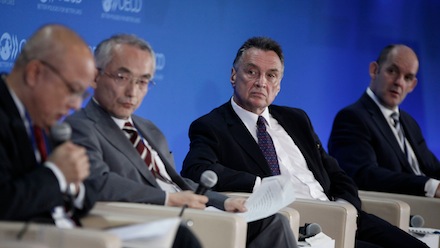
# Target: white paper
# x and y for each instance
(424, 230)
(319, 240)
(159, 233)
(274, 193)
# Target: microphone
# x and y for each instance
(60, 133)
(207, 180)
(309, 230)
(416, 221)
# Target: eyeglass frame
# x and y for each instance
(73, 92)
(123, 78)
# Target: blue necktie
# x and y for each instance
(266, 145)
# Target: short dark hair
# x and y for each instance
(383, 56)
(263, 43)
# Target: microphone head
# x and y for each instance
(208, 179)
(61, 132)
(312, 229)
(416, 221)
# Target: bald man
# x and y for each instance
(49, 78)
(380, 145)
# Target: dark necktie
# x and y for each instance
(141, 148)
(266, 145)
(40, 142)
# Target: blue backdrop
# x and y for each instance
(328, 45)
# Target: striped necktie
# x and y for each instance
(143, 150)
(400, 133)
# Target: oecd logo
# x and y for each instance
(133, 6)
(160, 61)
(10, 46)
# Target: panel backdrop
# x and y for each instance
(328, 45)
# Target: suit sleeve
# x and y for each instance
(110, 186)
(356, 148)
(207, 150)
(336, 183)
(27, 190)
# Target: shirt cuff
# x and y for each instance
(431, 187)
(257, 184)
(79, 199)
(166, 199)
(58, 174)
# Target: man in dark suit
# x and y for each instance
(34, 96)
(366, 141)
(126, 67)
(247, 139)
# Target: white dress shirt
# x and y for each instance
(290, 159)
(432, 184)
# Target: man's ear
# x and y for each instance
(32, 72)
(94, 84)
(374, 70)
(233, 76)
(413, 85)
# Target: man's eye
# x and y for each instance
(143, 82)
(252, 72)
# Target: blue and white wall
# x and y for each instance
(328, 45)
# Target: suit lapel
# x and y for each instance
(110, 131)
(382, 124)
(241, 134)
(154, 137)
(18, 130)
(293, 129)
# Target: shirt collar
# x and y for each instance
(119, 122)
(249, 118)
(385, 111)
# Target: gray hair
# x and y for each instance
(104, 50)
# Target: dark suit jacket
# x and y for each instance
(366, 148)
(28, 191)
(221, 142)
(117, 170)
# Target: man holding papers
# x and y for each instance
(129, 156)
(247, 139)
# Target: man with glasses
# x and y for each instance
(34, 96)
(249, 138)
(129, 156)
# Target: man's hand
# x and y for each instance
(188, 198)
(235, 204)
(72, 160)
(437, 192)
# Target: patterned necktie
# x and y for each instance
(141, 148)
(40, 142)
(396, 123)
(266, 145)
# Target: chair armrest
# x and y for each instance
(293, 216)
(54, 237)
(214, 229)
(337, 220)
(394, 211)
(426, 207)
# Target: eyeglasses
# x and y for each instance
(72, 91)
(251, 73)
(124, 78)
